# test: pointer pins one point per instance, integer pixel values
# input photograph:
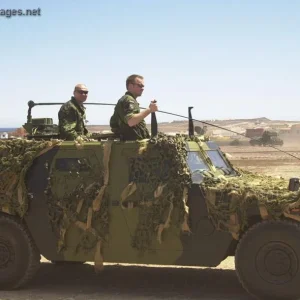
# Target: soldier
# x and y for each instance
(71, 115)
(127, 120)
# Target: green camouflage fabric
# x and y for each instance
(71, 118)
(160, 195)
(125, 108)
(158, 187)
(16, 157)
(230, 199)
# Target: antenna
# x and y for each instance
(191, 123)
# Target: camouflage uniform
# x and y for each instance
(125, 108)
(71, 118)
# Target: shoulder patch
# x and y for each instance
(129, 105)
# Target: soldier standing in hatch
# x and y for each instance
(71, 115)
(128, 120)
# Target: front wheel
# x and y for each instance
(267, 260)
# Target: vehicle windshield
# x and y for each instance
(218, 161)
(197, 166)
(196, 162)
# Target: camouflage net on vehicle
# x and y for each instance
(159, 182)
(83, 207)
(16, 156)
(158, 192)
(229, 199)
(77, 208)
(158, 187)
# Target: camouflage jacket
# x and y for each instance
(125, 108)
(71, 118)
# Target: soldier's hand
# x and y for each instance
(153, 106)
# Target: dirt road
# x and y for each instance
(132, 282)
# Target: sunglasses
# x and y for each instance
(139, 85)
(82, 92)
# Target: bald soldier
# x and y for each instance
(72, 116)
(127, 119)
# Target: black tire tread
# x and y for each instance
(34, 255)
(249, 232)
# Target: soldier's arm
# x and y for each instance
(68, 121)
(137, 118)
(130, 116)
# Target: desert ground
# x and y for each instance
(267, 160)
(79, 282)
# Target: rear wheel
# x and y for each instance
(19, 257)
(268, 260)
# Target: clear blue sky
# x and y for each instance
(228, 59)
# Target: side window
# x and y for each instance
(72, 164)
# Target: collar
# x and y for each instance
(74, 101)
(130, 94)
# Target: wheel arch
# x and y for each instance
(252, 221)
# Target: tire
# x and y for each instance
(267, 260)
(19, 257)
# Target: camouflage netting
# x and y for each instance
(83, 207)
(158, 186)
(92, 201)
(77, 208)
(230, 199)
(16, 156)
(156, 193)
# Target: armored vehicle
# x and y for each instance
(267, 138)
(167, 200)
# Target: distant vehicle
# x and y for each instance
(254, 132)
(267, 138)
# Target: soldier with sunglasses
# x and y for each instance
(72, 116)
(127, 120)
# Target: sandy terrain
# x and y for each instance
(133, 282)
(266, 160)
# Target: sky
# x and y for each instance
(227, 59)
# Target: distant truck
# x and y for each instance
(267, 138)
(254, 132)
